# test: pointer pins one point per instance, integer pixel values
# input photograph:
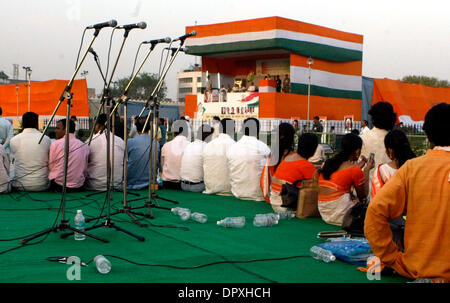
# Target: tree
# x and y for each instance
(430, 81)
(141, 88)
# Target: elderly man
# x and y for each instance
(78, 159)
(246, 160)
(421, 190)
(30, 156)
(215, 162)
(97, 166)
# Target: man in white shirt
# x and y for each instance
(171, 155)
(97, 166)
(215, 163)
(216, 126)
(191, 171)
(383, 120)
(30, 156)
(318, 157)
(246, 160)
(364, 126)
(6, 132)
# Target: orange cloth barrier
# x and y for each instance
(44, 98)
(413, 100)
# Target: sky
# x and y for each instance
(401, 37)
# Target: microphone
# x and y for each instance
(174, 49)
(162, 40)
(140, 25)
(110, 23)
(91, 50)
(191, 34)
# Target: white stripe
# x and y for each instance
(326, 79)
(272, 34)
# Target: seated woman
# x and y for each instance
(399, 151)
(337, 177)
(283, 145)
(294, 167)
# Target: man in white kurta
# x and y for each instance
(97, 165)
(215, 162)
(246, 160)
(6, 132)
(30, 157)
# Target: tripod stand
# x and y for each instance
(124, 99)
(153, 197)
(108, 223)
(64, 224)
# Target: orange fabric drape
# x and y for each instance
(413, 100)
(44, 97)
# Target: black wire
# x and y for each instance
(135, 60)
(79, 50)
(109, 53)
(204, 265)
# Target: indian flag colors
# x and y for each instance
(327, 79)
(275, 33)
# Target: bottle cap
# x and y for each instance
(79, 211)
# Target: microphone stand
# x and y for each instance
(153, 114)
(108, 223)
(66, 94)
(124, 99)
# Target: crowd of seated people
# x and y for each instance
(399, 188)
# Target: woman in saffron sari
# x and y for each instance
(338, 176)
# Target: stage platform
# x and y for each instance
(167, 243)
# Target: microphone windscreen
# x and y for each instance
(194, 33)
(142, 25)
(113, 23)
(168, 40)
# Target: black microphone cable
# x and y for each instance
(79, 50)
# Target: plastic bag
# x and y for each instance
(351, 251)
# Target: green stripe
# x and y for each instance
(315, 50)
(302, 89)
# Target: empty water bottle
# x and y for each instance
(232, 222)
(176, 210)
(103, 265)
(266, 220)
(322, 254)
(79, 224)
(184, 214)
(285, 213)
(200, 218)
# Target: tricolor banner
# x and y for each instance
(327, 79)
(275, 33)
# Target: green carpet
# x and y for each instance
(166, 243)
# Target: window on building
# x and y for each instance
(185, 80)
(199, 79)
(185, 90)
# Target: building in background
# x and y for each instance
(189, 82)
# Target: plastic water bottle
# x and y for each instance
(200, 218)
(79, 224)
(322, 254)
(184, 214)
(285, 213)
(422, 280)
(232, 222)
(103, 265)
(176, 210)
(265, 220)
